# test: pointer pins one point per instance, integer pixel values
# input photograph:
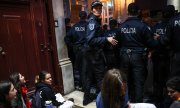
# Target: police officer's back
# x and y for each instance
(77, 34)
(134, 38)
(76, 39)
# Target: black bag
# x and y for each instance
(37, 101)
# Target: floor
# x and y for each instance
(78, 98)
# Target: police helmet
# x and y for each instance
(133, 8)
(82, 14)
(96, 3)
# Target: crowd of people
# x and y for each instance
(126, 46)
(110, 65)
(13, 93)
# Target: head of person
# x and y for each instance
(96, 8)
(169, 11)
(173, 87)
(45, 77)
(17, 79)
(105, 27)
(133, 9)
(82, 15)
(7, 92)
(113, 88)
(113, 23)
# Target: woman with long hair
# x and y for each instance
(113, 92)
(19, 83)
(7, 93)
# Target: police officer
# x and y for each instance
(76, 39)
(160, 56)
(111, 52)
(172, 39)
(134, 37)
(94, 54)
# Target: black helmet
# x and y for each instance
(96, 3)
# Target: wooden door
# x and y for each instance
(18, 53)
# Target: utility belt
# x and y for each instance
(134, 50)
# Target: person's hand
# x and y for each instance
(112, 40)
(128, 105)
(156, 36)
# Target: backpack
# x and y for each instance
(37, 101)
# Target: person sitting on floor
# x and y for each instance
(173, 88)
(44, 84)
(19, 83)
(113, 92)
(7, 94)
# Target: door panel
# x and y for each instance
(16, 39)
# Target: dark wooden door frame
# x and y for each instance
(51, 30)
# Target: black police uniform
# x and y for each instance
(160, 58)
(94, 57)
(172, 38)
(134, 38)
(111, 52)
(76, 39)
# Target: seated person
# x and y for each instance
(173, 88)
(113, 92)
(44, 84)
(19, 83)
(7, 94)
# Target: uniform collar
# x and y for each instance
(132, 18)
(94, 16)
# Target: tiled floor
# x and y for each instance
(78, 98)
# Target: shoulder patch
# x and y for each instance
(91, 26)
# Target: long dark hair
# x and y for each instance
(14, 78)
(42, 75)
(113, 89)
(5, 87)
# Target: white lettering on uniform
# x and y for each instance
(160, 31)
(177, 22)
(79, 28)
(128, 30)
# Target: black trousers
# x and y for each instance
(134, 65)
(95, 70)
(161, 68)
(78, 64)
(175, 64)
